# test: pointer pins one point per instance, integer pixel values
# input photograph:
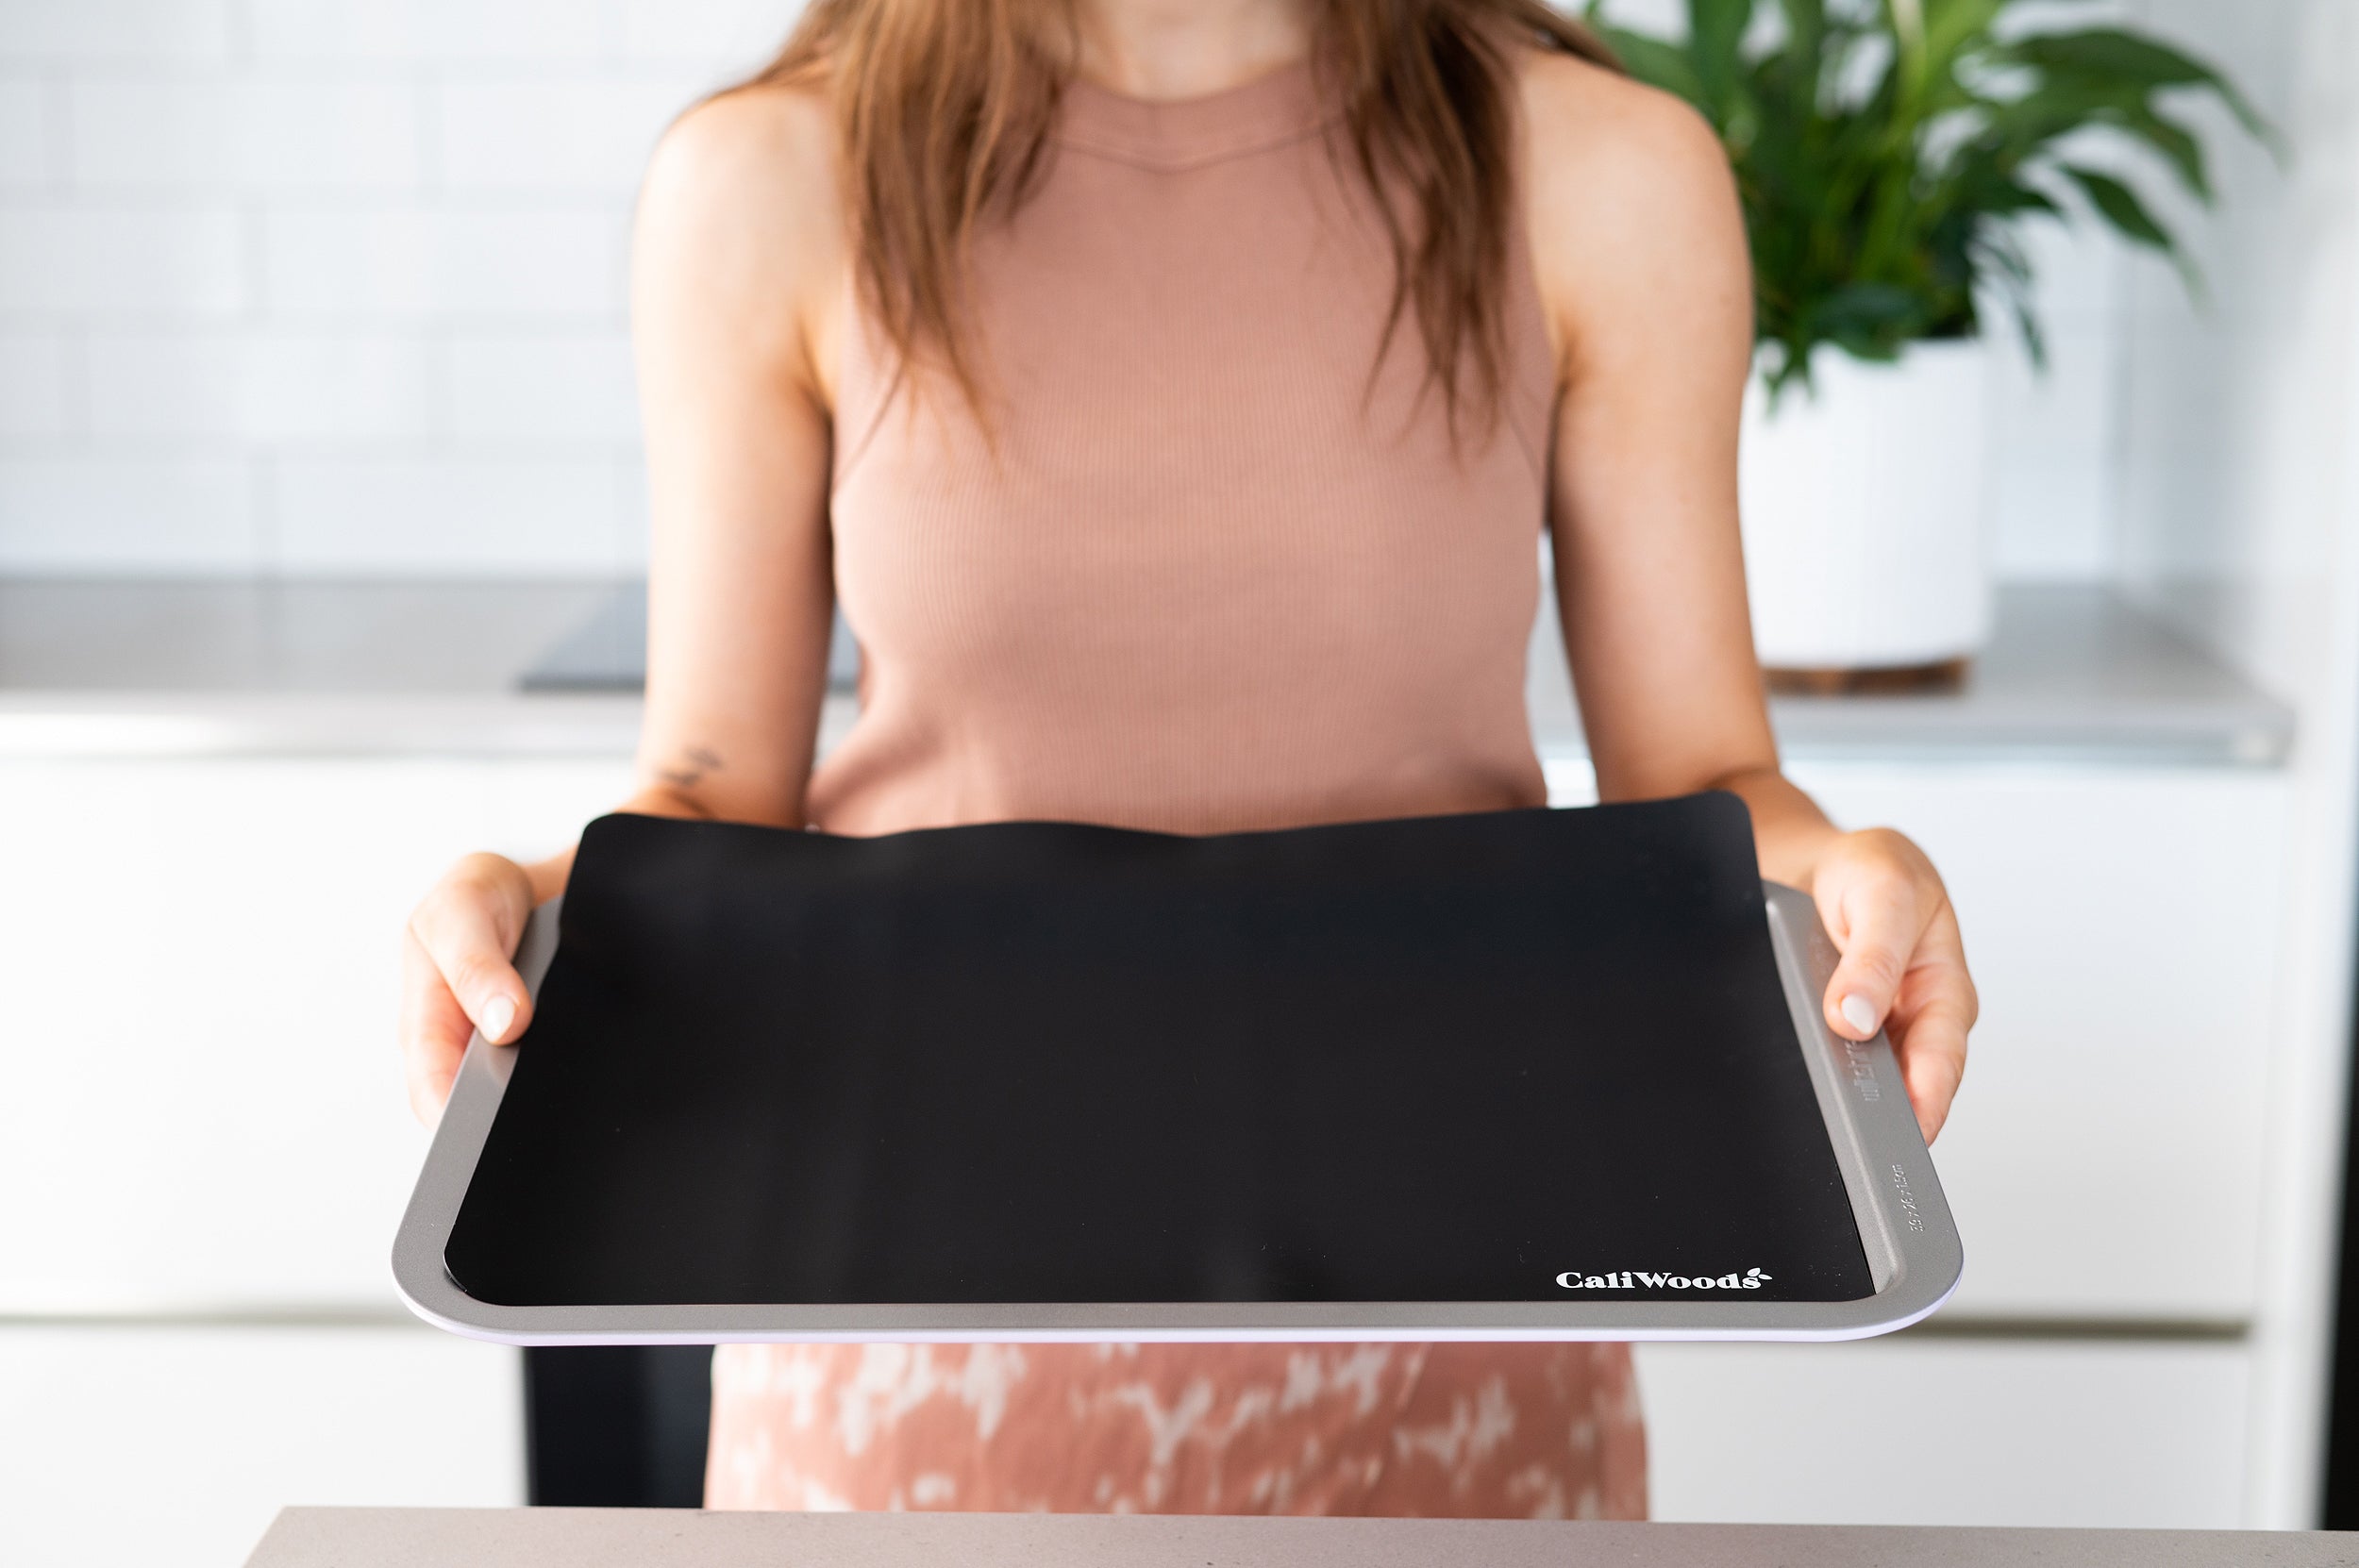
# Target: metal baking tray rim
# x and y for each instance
(1914, 1255)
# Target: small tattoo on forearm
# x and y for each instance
(695, 764)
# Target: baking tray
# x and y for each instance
(1890, 1195)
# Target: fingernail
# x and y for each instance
(1859, 1013)
(499, 1012)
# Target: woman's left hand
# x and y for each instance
(1903, 966)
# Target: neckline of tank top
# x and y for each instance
(1271, 111)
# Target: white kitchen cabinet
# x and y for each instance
(2105, 1156)
(205, 1117)
(1927, 1431)
(125, 1448)
(538, 807)
(197, 990)
(197, 996)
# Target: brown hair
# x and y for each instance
(944, 107)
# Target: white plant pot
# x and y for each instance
(1865, 508)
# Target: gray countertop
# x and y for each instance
(682, 1538)
(212, 668)
(2072, 672)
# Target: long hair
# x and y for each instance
(944, 107)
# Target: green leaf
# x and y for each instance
(1892, 154)
(2113, 54)
(2121, 206)
(2176, 145)
(1870, 320)
(2116, 56)
(1716, 38)
(2009, 198)
(1952, 27)
(1800, 66)
(1658, 64)
(1805, 26)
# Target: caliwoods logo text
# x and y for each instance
(1638, 1279)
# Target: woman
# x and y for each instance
(1175, 396)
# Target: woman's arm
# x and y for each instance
(1641, 255)
(737, 268)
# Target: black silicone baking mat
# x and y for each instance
(1441, 1059)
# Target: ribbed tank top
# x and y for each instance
(1215, 566)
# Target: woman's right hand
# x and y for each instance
(456, 973)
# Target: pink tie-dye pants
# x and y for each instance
(1543, 1431)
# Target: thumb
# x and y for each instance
(468, 928)
(1875, 923)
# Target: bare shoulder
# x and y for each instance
(1627, 188)
(1591, 132)
(740, 197)
(765, 140)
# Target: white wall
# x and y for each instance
(2237, 411)
(2239, 523)
(331, 286)
(325, 286)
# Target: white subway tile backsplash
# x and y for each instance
(544, 387)
(2180, 415)
(523, 30)
(501, 261)
(730, 38)
(189, 260)
(519, 135)
(2052, 519)
(491, 517)
(125, 512)
(34, 384)
(2066, 411)
(375, 252)
(258, 388)
(2053, 435)
(245, 133)
(103, 29)
(25, 150)
(636, 535)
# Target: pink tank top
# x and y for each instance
(1210, 576)
(1207, 575)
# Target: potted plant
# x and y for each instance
(1889, 154)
